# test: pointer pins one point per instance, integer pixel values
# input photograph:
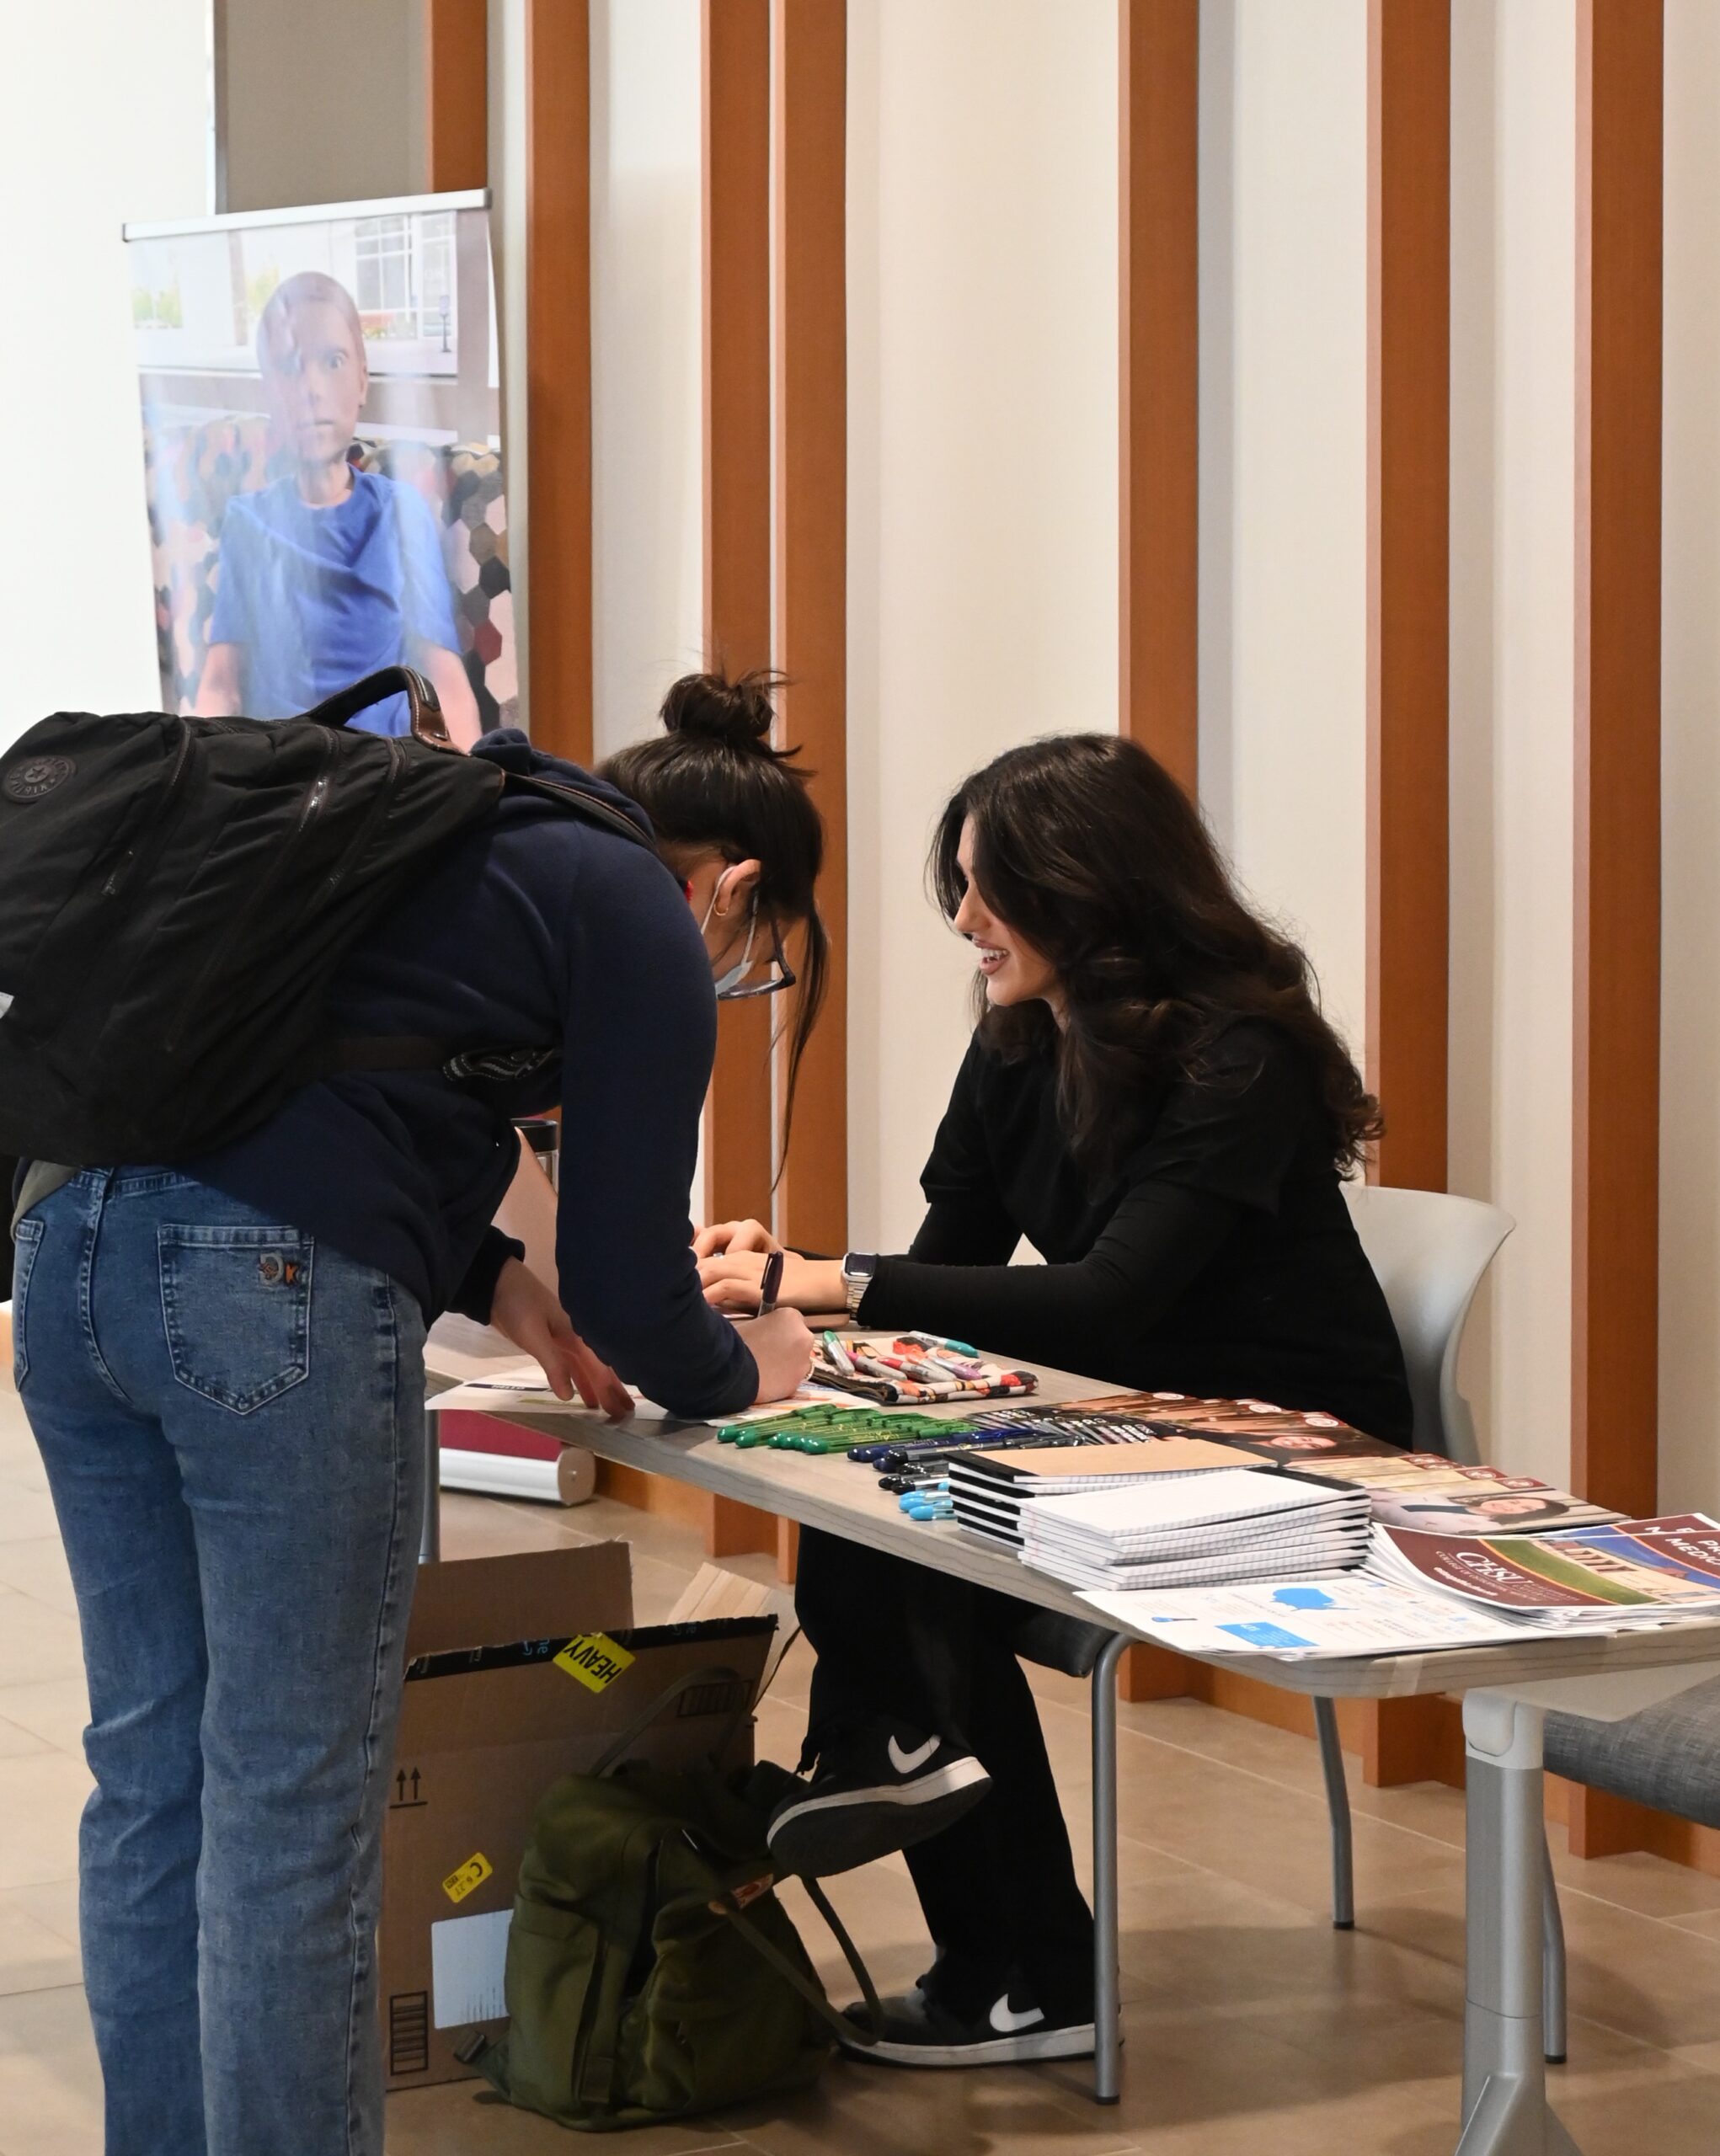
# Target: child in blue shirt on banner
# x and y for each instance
(331, 572)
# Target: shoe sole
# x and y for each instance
(1023, 2050)
(823, 1835)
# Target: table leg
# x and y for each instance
(1108, 2032)
(430, 1545)
(1504, 2073)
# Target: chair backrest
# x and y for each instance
(1429, 1250)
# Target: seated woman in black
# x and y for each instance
(1154, 1100)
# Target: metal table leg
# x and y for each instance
(1504, 2073)
(1108, 2032)
(429, 1545)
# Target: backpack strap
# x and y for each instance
(428, 725)
(846, 2030)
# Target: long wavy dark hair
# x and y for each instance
(1089, 849)
(714, 781)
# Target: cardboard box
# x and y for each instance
(497, 1706)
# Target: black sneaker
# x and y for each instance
(879, 1787)
(921, 2030)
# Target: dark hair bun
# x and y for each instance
(711, 707)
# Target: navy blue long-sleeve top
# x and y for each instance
(540, 930)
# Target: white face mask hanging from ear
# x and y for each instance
(728, 980)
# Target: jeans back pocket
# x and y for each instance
(237, 1303)
(29, 1242)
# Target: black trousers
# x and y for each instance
(998, 1888)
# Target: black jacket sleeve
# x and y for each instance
(641, 1036)
(476, 1292)
(1221, 1145)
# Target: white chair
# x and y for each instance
(1430, 1251)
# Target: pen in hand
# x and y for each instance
(771, 1286)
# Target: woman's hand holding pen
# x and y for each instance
(524, 1311)
(733, 1277)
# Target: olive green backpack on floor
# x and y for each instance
(652, 1973)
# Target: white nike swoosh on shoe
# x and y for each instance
(909, 1762)
(1008, 2023)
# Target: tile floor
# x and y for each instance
(1251, 2025)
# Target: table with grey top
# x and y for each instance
(1505, 1691)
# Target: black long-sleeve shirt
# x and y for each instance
(1221, 1260)
(537, 929)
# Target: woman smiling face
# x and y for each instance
(1012, 970)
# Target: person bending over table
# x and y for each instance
(1152, 1098)
(223, 1365)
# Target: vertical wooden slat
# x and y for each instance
(1159, 323)
(735, 51)
(559, 371)
(1409, 482)
(1614, 1195)
(1158, 315)
(809, 55)
(457, 76)
(1409, 444)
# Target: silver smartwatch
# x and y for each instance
(858, 1268)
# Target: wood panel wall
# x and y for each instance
(736, 105)
(1409, 483)
(1616, 1170)
(456, 94)
(559, 371)
(1159, 376)
(809, 63)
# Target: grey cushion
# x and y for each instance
(1667, 1755)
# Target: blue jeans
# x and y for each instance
(231, 1417)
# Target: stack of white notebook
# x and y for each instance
(1196, 1530)
(989, 1490)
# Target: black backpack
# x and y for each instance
(176, 894)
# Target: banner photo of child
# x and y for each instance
(322, 460)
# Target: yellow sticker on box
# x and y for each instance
(594, 1659)
(470, 1875)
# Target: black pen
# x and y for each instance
(770, 1286)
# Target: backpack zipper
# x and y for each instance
(130, 858)
(378, 809)
(309, 809)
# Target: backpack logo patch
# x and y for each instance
(39, 776)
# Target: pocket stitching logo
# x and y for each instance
(40, 776)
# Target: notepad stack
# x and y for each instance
(1196, 1530)
(989, 1489)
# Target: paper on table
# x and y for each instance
(1350, 1614)
(524, 1386)
(468, 1960)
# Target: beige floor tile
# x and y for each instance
(885, 2111)
(15, 1742)
(33, 1955)
(39, 1569)
(25, 1515)
(1704, 1926)
(50, 2092)
(1257, 1832)
(54, 1712)
(41, 1800)
(36, 1641)
(463, 2119)
(1649, 1885)
(1653, 1984)
(53, 1904)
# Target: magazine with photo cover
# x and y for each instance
(1424, 1490)
(1635, 1570)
